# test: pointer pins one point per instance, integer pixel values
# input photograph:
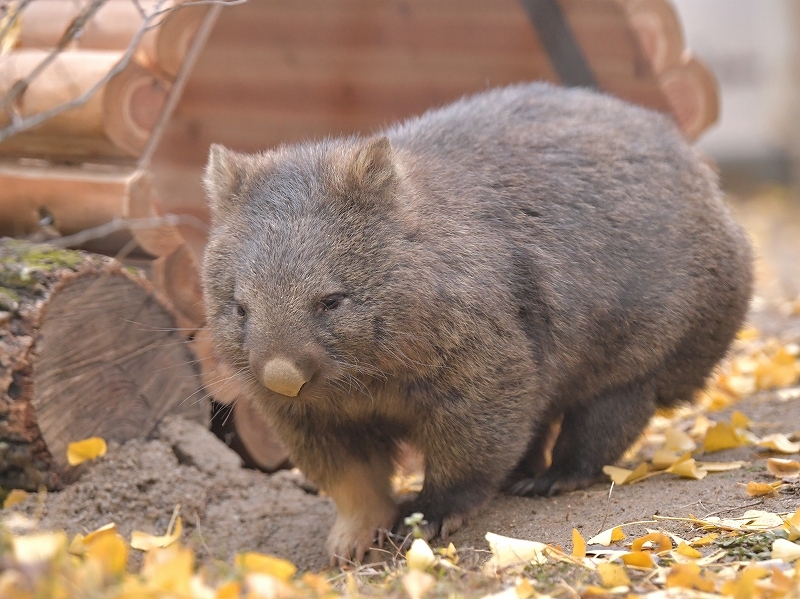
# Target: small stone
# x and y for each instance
(196, 446)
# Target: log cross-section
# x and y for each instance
(86, 349)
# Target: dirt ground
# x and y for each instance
(227, 509)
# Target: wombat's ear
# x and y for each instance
(373, 168)
(226, 171)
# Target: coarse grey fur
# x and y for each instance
(462, 281)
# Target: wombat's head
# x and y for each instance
(297, 269)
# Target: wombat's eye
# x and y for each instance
(241, 311)
(331, 302)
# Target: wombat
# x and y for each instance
(463, 280)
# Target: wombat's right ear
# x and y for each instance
(225, 172)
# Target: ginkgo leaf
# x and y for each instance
(605, 538)
(792, 525)
(88, 449)
(744, 586)
(621, 476)
(418, 583)
(785, 550)
(39, 547)
(663, 459)
(145, 542)
(638, 559)
(783, 468)
(14, 497)
(688, 576)
(704, 540)
(507, 551)
(755, 489)
(578, 544)
(420, 555)
(721, 466)
(688, 551)
(722, 436)
(265, 564)
(612, 575)
(677, 441)
(662, 542)
(780, 443)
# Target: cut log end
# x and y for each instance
(87, 350)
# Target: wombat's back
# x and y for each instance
(621, 253)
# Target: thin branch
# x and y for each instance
(19, 123)
(130, 224)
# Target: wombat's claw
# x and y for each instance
(441, 527)
(346, 552)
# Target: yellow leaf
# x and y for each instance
(318, 583)
(233, 590)
(146, 542)
(109, 529)
(578, 544)
(706, 540)
(792, 526)
(677, 441)
(612, 575)
(621, 476)
(738, 384)
(721, 466)
(785, 550)
(739, 420)
(14, 497)
(748, 334)
(510, 552)
(688, 551)
(687, 576)
(745, 587)
(169, 570)
(638, 559)
(721, 436)
(265, 564)
(265, 586)
(420, 556)
(525, 590)
(663, 459)
(687, 469)
(605, 538)
(780, 443)
(88, 449)
(755, 489)
(779, 370)
(39, 547)
(418, 583)
(663, 542)
(783, 468)
(109, 551)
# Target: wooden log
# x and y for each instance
(693, 95)
(120, 115)
(86, 349)
(175, 35)
(112, 27)
(177, 277)
(658, 30)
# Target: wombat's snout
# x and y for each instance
(282, 376)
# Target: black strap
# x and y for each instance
(557, 39)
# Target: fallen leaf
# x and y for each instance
(38, 548)
(739, 420)
(638, 559)
(578, 544)
(748, 334)
(260, 563)
(662, 541)
(418, 583)
(507, 551)
(621, 476)
(525, 589)
(145, 542)
(108, 550)
(420, 555)
(687, 576)
(705, 540)
(14, 497)
(792, 525)
(721, 436)
(745, 586)
(605, 538)
(738, 384)
(686, 467)
(785, 550)
(721, 466)
(266, 586)
(788, 394)
(663, 459)
(780, 443)
(755, 489)
(612, 575)
(677, 441)
(88, 449)
(783, 468)
(687, 551)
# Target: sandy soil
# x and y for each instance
(228, 509)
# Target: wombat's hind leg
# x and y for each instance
(593, 434)
(535, 461)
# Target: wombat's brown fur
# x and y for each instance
(462, 281)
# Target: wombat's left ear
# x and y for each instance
(373, 168)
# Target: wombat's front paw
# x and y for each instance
(353, 535)
(434, 522)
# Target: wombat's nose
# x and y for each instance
(281, 376)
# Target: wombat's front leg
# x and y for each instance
(365, 509)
